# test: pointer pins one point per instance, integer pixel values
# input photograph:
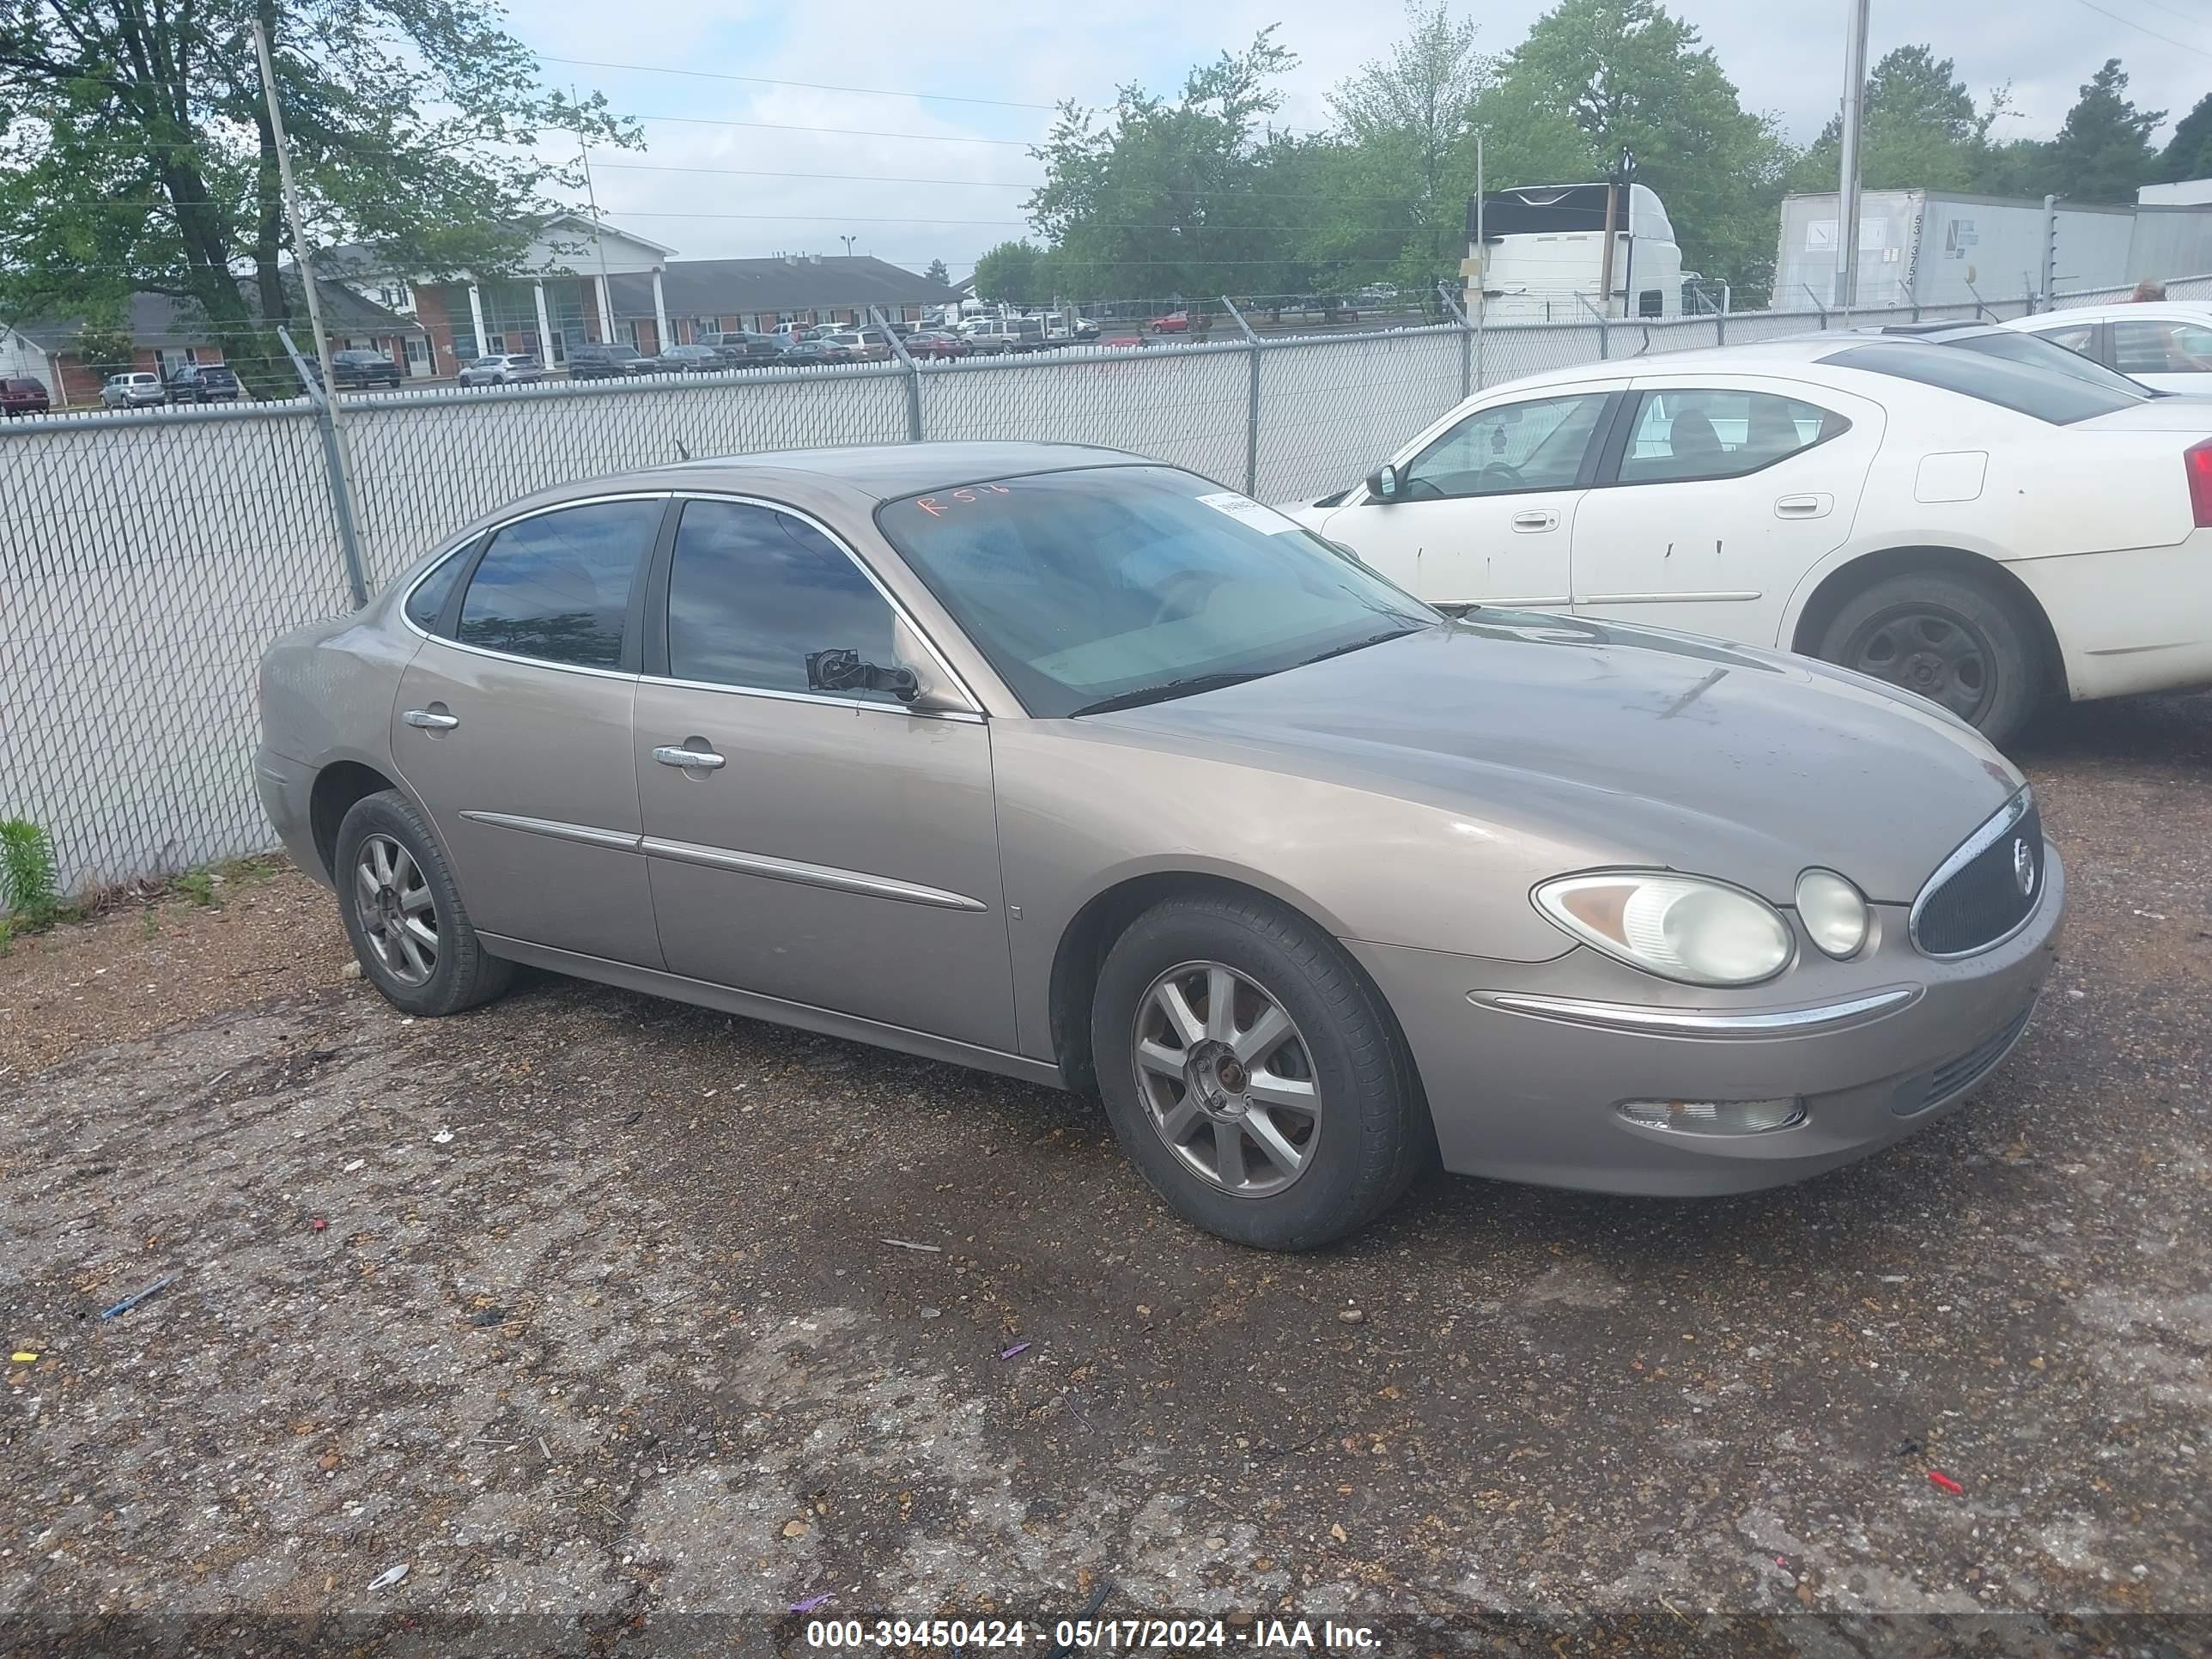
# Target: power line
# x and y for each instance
(2145, 29)
(809, 86)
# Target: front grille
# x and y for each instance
(1987, 888)
(1956, 1076)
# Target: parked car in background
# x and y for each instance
(881, 696)
(1974, 529)
(1176, 322)
(204, 383)
(691, 359)
(813, 349)
(864, 345)
(931, 344)
(357, 370)
(594, 362)
(742, 349)
(1997, 340)
(791, 333)
(995, 336)
(133, 389)
(2166, 344)
(24, 394)
(503, 369)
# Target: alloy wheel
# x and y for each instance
(1226, 1079)
(399, 915)
(1932, 651)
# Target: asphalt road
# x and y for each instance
(605, 1341)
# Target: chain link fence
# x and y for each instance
(148, 557)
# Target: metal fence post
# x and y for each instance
(1720, 324)
(334, 471)
(1604, 333)
(1465, 342)
(1252, 413)
(913, 377)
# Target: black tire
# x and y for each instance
(462, 973)
(1371, 1135)
(1963, 642)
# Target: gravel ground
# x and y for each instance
(580, 1308)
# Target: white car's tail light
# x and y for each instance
(2197, 457)
(1714, 1117)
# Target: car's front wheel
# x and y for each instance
(1949, 638)
(404, 914)
(1252, 1073)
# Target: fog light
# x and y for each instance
(1714, 1117)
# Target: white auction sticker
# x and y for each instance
(1245, 510)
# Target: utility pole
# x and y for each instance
(1847, 226)
(339, 453)
(591, 200)
(300, 252)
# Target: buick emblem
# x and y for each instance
(2023, 868)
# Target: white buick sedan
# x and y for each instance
(2166, 343)
(1983, 533)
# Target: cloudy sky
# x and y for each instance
(938, 169)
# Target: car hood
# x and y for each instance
(1614, 744)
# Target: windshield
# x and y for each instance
(2038, 353)
(1127, 584)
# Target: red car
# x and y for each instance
(24, 397)
(935, 342)
(1176, 322)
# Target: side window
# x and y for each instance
(2074, 337)
(2161, 348)
(1516, 446)
(426, 604)
(557, 587)
(1679, 435)
(753, 593)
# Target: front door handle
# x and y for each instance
(430, 722)
(1803, 507)
(1533, 519)
(704, 760)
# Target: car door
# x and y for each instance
(1716, 494)
(512, 728)
(2167, 354)
(831, 848)
(1486, 506)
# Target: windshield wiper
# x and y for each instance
(1361, 644)
(1167, 691)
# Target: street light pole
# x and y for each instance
(848, 241)
(1847, 224)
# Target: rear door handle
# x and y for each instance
(704, 760)
(430, 722)
(1803, 507)
(1533, 519)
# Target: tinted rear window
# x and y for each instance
(2060, 399)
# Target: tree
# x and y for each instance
(1923, 130)
(141, 157)
(2103, 153)
(2188, 153)
(1013, 273)
(1407, 119)
(1155, 198)
(106, 348)
(937, 273)
(1630, 76)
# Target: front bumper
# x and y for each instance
(1524, 1063)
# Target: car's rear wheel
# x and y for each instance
(404, 915)
(1252, 1073)
(1954, 641)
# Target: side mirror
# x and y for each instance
(1384, 483)
(843, 671)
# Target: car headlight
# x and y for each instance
(1679, 927)
(1833, 911)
